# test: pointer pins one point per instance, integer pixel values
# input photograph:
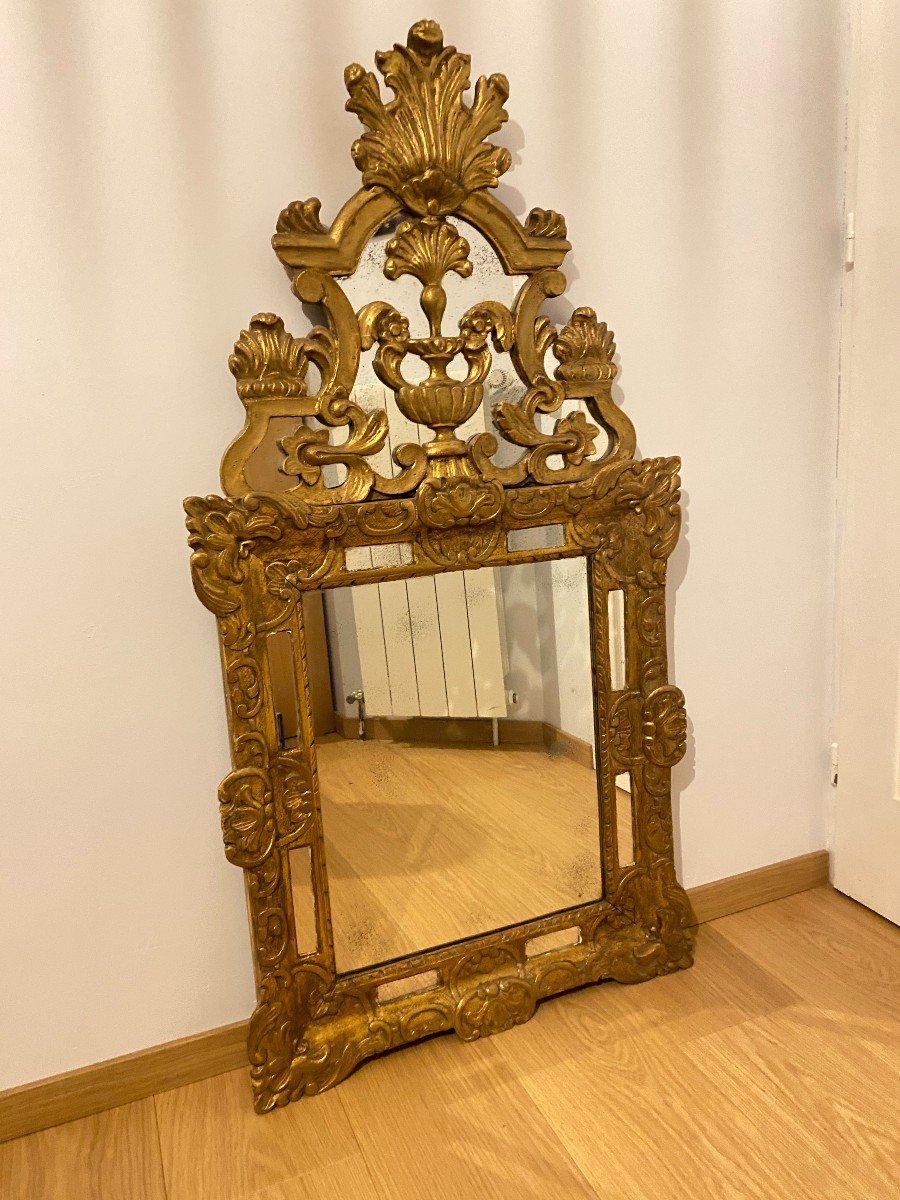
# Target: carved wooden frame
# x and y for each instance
(254, 555)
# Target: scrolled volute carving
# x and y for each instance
(301, 216)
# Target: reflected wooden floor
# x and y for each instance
(427, 845)
(769, 1071)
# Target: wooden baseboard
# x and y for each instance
(752, 888)
(122, 1080)
(444, 731)
(470, 732)
(104, 1085)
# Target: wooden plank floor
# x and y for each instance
(427, 845)
(770, 1070)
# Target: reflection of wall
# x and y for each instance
(523, 640)
(567, 583)
(343, 650)
(548, 644)
(429, 646)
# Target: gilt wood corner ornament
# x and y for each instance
(428, 171)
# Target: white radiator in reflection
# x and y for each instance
(428, 647)
(431, 647)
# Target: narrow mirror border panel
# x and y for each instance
(255, 554)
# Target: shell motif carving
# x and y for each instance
(493, 1007)
(544, 222)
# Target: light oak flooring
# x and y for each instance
(430, 844)
(767, 1071)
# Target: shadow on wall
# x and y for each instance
(683, 772)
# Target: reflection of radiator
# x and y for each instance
(430, 647)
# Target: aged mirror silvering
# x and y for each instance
(439, 578)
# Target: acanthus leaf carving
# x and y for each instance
(459, 503)
(427, 146)
(494, 1006)
(545, 223)
(585, 349)
(222, 535)
(293, 784)
(269, 361)
(625, 730)
(652, 489)
(301, 216)
(460, 520)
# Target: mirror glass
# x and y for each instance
(624, 820)
(471, 803)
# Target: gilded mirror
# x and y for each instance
(474, 813)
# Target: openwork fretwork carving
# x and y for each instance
(428, 168)
(425, 157)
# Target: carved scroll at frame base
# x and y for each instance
(484, 987)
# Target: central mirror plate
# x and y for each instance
(472, 802)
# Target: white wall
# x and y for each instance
(695, 150)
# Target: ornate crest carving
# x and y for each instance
(428, 167)
(427, 146)
(426, 155)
